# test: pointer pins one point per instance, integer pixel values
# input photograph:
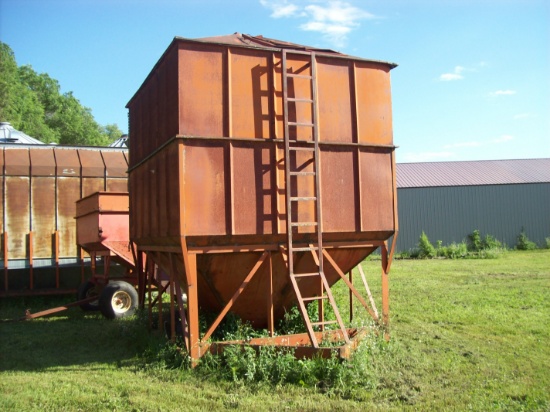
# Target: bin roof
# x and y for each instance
(10, 135)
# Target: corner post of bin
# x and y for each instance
(190, 266)
(385, 291)
(141, 270)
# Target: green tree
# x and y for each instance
(112, 131)
(8, 81)
(33, 103)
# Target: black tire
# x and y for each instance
(86, 290)
(118, 299)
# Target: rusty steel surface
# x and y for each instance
(40, 187)
(102, 217)
(216, 201)
(299, 343)
(216, 90)
(208, 182)
(102, 225)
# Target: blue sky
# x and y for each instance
(473, 81)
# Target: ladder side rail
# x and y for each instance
(317, 158)
(284, 70)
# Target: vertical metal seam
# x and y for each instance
(5, 232)
(394, 185)
(273, 135)
(56, 188)
(30, 190)
(276, 146)
(4, 189)
(273, 100)
(80, 172)
(355, 101)
(31, 249)
(104, 170)
(359, 191)
(230, 144)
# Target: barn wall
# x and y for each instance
(449, 214)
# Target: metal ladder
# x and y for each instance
(293, 198)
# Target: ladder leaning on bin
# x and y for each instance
(293, 198)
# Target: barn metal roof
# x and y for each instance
(9, 135)
(473, 173)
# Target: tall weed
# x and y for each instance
(523, 242)
(477, 247)
(426, 249)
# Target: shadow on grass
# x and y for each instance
(72, 338)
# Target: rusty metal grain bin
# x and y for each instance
(40, 185)
(207, 174)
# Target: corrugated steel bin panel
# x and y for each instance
(115, 164)
(17, 215)
(254, 188)
(67, 162)
(205, 196)
(17, 162)
(374, 111)
(91, 163)
(201, 87)
(336, 96)
(377, 194)
(68, 192)
(43, 216)
(249, 97)
(42, 162)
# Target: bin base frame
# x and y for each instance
(188, 324)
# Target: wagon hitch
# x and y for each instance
(30, 316)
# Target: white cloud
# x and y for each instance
(447, 77)
(520, 116)
(338, 12)
(503, 139)
(458, 72)
(462, 144)
(426, 156)
(282, 8)
(503, 93)
(334, 19)
(455, 75)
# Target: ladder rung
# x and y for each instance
(304, 249)
(296, 224)
(302, 173)
(314, 298)
(301, 199)
(299, 76)
(309, 149)
(299, 100)
(328, 322)
(300, 124)
(304, 275)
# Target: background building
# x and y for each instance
(449, 200)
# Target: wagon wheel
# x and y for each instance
(87, 290)
(118, 299)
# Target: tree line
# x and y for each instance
(33, 103)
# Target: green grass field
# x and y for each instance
(466, 335)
